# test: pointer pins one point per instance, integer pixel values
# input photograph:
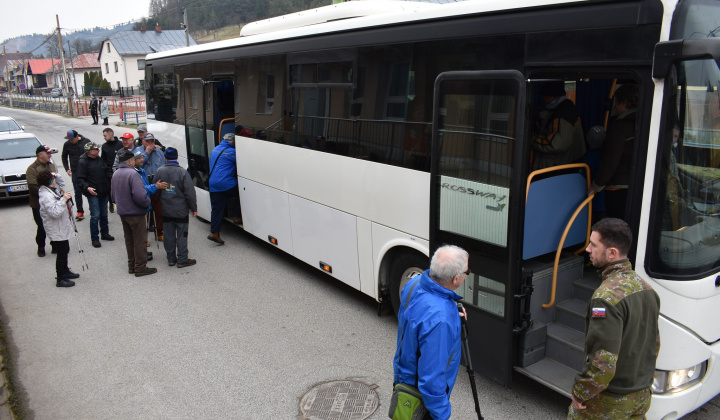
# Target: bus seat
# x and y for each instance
(550, 204)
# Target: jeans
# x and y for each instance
(174, 229)
(98, 215)
(218, 201)
(78, 194)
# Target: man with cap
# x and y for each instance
(142, 130)
(178, 199)
(223, 185)
(558, 138)
(128, 192)
(93, 177)
(108, 151)
(73, 148)
(153, 160)
(128, 143)
(42, 163)
(151, 189)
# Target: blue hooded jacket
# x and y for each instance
(429, 327)
(224, 173)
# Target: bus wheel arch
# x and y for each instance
(400, 265)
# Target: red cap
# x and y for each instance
(127, 136)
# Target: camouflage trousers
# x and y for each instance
(612, 407)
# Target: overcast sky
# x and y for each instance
(38, 16)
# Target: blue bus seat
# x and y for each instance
(550, 204)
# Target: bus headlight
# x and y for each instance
(677, 380)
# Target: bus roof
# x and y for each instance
(358, 15)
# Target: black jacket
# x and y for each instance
(73, 152)
(109, 150)
(93, 173)
(616, 161)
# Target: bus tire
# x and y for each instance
(406, 266)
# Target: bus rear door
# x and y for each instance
(477, 201)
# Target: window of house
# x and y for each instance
(107, 68)
(116, 66)
(108, 47)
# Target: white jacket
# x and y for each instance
(55, 216)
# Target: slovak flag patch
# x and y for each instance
(598, 312)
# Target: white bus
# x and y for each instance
(372, 132)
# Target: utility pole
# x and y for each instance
(184, 25)
(72, 65)
(7, 75)
(62, 57)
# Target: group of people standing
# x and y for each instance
(143, 182)
(102, 105)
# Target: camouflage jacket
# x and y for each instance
(622, 339)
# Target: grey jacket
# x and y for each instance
(179, 196)
(55, 216)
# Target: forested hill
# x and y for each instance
(84, 41)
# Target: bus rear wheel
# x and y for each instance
(404, 268)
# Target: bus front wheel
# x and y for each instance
(404, 268)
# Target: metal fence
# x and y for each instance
(116, 106)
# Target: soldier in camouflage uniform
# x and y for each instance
(622, 339)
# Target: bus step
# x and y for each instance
(230, 219)
(584, 288)
(571, 313)
(565, 345)
(552, 374)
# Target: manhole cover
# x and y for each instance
(347, 400)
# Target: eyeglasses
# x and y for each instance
(467, 273)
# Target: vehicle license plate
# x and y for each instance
(16, 188)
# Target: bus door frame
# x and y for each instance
(492, 338)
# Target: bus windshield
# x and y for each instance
(696, 19)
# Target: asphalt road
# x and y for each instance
(241, 335)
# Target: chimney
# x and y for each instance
(158, 28)
(143, 29)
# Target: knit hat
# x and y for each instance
(171, 153)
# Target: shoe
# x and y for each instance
(161, 238)
(150, 257)
(172, 263)
(80, 216)
(111, 207)
(146, 272)
(215, 237)
(96, 243)
(131, 271)
(187, 263)
(70, 275)
(63, 282)
(237, 220)
(41, 252)
(107, 237)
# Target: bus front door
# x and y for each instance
(199, 139)
(477, 197)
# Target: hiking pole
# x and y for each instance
(466, 352)
(77, 235)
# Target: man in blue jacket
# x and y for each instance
(428, 344)
(223, 185)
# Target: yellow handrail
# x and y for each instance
(587, 201)
(220, 128)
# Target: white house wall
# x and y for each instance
(127, 73)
